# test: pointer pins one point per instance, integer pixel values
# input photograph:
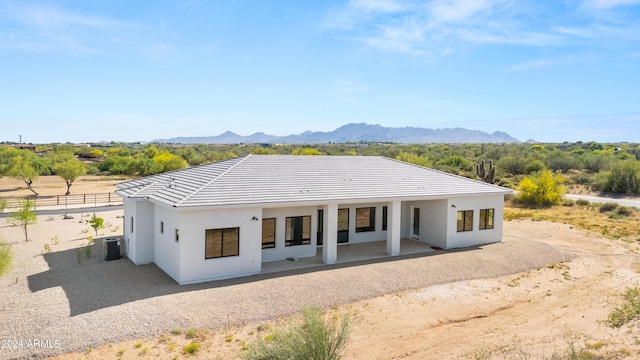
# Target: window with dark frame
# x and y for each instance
(161, 227)
(465, 220)
(365, 219)
(132, 224)
(486, 219)
(222, 242)
(384, 218)
(268, 233)
(177, 235)
(298, 231)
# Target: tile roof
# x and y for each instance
(265, 180)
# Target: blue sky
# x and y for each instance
(559, 70)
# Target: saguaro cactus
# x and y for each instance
(486, 174)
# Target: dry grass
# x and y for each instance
(587, 217)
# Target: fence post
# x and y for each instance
(84, 198)
(57, 199)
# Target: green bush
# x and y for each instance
(626, 312)
(315, 338)
(534, 167)
(544, 189)
(6, 258)
(624, 178)
(606, 207)
(624, 211)
(583, 202)
(192, 348)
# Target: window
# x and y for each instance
(486, 219)
(298, 231)
(384, 218)
(268, 233)
(177, 235)
(222, 243)
(161, 227)
(416, 221)
(132, 224)
(465, 220)
(366, 219)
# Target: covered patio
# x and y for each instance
(348, 253)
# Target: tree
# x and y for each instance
(6, 257)
(97, 223)
(170, 161)
(69, 170)
(543, 189)
(624, 178)
(414, 159)
(24, 216)
(306, 151)
(21, 168)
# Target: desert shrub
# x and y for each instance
(624, 178)
(3, 205)
(626, 312)
(599, 181)
(192, 348)
(624, 211)
(314, 338)
(6, 258)
(512, 164)
(544, 189)
(568, 202)
(414, 159)
(563, 163)
(596, 162)
(191, 334)
(606, 207)
(582, 179)
(534, 166)
(582, 202)
(457, 162)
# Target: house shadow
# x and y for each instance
(91, 283)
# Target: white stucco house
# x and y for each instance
(225, 219)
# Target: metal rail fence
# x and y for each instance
(62, 201)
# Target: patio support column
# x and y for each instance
(330, 234)
(393, 228)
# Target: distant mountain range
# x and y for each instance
(355, 133)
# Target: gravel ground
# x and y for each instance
(54, 303)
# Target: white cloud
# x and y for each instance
(443, 11)
(377, 5)
(606, 4)
(531, 65)
(45, 28)
(43, 16)
(439, 27)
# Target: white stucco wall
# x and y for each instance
(433, 220)
(193, 224)
(166, 250)
(129, 207)
(281, 252)
(475, 237)
(139, 239)
(366, 236)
